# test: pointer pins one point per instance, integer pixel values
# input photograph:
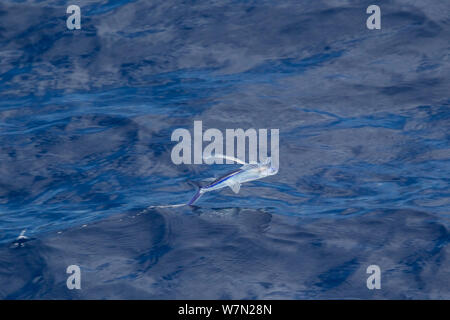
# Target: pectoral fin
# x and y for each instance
(235, 187)
(221, 156)
(249, 166)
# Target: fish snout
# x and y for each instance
(272, 171)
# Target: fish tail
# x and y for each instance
(195, 197)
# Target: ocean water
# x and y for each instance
(86, 118)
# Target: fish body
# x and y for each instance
(234, 179)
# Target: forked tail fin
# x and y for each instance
(195, 197)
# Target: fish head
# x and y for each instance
(269, 168)
(273, 171)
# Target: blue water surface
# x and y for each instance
(86, 118)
